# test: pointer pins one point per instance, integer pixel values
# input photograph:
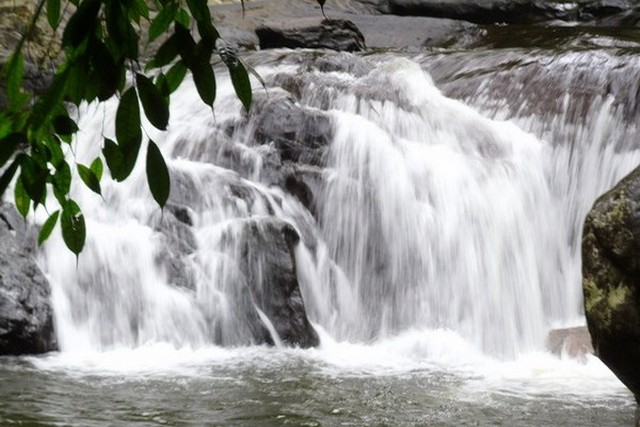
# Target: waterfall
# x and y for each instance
(424, 213)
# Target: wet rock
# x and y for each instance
(611, 279)
(316, 33)
(402, 32)
(301, 135)
(26, 316)
(573, 342)
(179, 242)
(305, 183)
(268, 265)
(509, 11)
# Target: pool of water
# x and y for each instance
(389, 383)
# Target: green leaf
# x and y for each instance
(23, 202)
(64, 125)
(166, 53)
(53, 13)
(62, 179)
(82, 23)
(47, 227)
(89, 178)
(199, 10)
(160, 24)
(97, 168)
(162, 86)
(106, 69)
(9, 144)
(34, 178)
(120, 29)
(119, 163)
(142, 8)
(51, 100)
(14, 74)
(183, 18)
(54, 149)
(186, 45)
(74, 231)
(128, 130)
(175, 76)
(157, 175)
(241, 84)
(203, 77)
(7, 176)
(154, 105)
(6, 124)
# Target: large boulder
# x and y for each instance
(26, 316)
(611, 279)
(336, 34)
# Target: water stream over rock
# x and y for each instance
(404, 226)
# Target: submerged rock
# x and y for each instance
(573, 342)
(611, 279)
(336, 34)
(26, 316)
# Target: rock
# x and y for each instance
(26, 316)
(301, 135)
(401, 32)
(380, 31)
(611, 279)
(313, 33)
(267, 264)
(509, 11)
(573, 342)
(176, 226)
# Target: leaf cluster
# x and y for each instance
(101, 59)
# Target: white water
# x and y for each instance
(445, 239)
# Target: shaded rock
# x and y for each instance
(26, 316)
(306, 183)
(175, 224)
(300, 134)
(573, 342)
(316, 33)
(268, 265)
(509, 11)
(611, 279)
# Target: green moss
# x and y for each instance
(593, 296)
(617, 297)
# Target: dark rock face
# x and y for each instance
(274, 287)
(508, 11)
(262, 276)
(336, 34)
(26, 317)
(611, 279)
(299, 134)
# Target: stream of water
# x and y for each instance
(442, 247)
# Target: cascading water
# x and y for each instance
(429, 231)
(428, 216)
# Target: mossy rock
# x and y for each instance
(611, 279)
